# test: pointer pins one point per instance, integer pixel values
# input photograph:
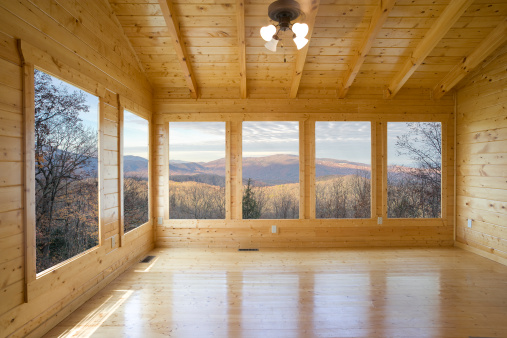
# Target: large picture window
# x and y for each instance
(197, 170)
(343, 169)
(271, 170)
(66, 168)
(414, 159)
(135, 170)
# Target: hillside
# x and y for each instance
(269, 170)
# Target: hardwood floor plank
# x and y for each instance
(380, 292)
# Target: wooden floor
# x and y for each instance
(443, 292)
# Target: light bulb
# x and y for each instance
(271, 45)
(300, 29)
(267, 32)
(300, 42)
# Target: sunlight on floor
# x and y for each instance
(89, 324)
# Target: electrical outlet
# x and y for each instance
(113, 241)
(160, 220)
(469, 223)
(379, 220)
(274, 229)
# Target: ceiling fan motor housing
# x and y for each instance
(284, 11)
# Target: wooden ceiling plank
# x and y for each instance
(379, 17)
(311, 13)
(449, 16)
(495, 39)
(173, 26)
(240, 16)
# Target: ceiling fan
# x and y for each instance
(284, 12)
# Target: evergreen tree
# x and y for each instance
(250, 207)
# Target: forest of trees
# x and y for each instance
(343, 196)
(135, 202)
(196, 200)
(66, 187)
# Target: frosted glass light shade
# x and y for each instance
(267, 32)
(300, 42)
(300, 29)
(271, 45)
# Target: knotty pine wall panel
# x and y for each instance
(481, 182)
(409, 105)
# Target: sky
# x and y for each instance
(270, 138)
(91, 117)
(136, 135)
(196, 141)
(350, 141)
(395, 129)
(135, 128)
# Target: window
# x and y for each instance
(271, 170)
(197, 170)
(343, 169)
(66, 167)
(135, 170)
(414, 159)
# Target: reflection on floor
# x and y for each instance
(437, 292)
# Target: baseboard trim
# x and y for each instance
(482, 253)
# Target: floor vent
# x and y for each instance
(147, 259)
(248, 249)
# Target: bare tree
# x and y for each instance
(64, 151)
(416, 192)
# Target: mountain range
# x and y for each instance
(268, 170)
(264, 171)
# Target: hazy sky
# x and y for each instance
(349, 141)
(270, 138)
(90, 118)
(395, 129)
(136, 135)
(196, 141)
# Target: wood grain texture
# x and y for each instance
(80, 43)
(481, 164)
(314, 292)
(310, 11)
(449, 16)
(172, 22)
(377, 21)
(494, 40)
(308, 231)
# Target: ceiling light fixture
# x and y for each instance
(283, 12)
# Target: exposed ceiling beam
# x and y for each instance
(172, 23)
(310, 9)
(377, 21)
(495, 39)
(438, 30)
(240, 22)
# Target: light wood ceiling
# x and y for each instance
(212, 48)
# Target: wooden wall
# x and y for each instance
(410, 105)
(481, 185)
(82, 43)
